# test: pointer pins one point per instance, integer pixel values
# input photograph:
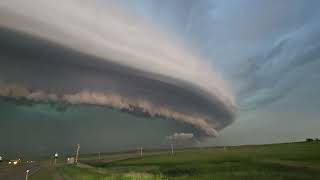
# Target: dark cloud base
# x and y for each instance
(38, 130)
(42, 65)
(30, 65)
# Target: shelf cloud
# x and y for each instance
(80, 54)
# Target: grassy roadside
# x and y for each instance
(277, 162)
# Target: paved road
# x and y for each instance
(18, 172)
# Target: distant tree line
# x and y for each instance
(312, 140)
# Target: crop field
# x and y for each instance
(262, 162)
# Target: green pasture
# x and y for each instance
(264, 162)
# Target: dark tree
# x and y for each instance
(309, 140)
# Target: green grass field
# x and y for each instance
(265, 162)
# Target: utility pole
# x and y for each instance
(99, 156)
(141, 151)
(27, 174)
(171, 148)
(78, 148)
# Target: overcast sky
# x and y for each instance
(267, 50)
(260, 63)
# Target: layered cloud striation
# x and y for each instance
(80, 53)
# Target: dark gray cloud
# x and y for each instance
(56, 74)
(69, 57)
(40, 130)
(267, 51)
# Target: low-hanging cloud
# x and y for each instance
(79, 53)
(110, 100)
(180, 137)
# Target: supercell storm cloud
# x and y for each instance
(81, 54)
